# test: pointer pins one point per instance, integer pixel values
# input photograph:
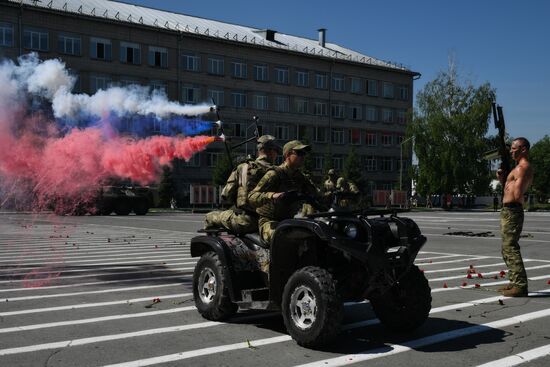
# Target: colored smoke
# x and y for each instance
(57, 144)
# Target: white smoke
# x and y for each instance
(51, 80)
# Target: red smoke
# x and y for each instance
(75, 165)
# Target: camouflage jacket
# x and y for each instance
(329, 187)
(243, 179)
(346, 186)
(280, 179)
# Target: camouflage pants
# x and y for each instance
(239, 223)
(267, 228)
(511, 224)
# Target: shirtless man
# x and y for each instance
(511, 217)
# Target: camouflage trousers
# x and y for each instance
(238, 223)
(267, 228)
(511, 225)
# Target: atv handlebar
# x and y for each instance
(294, 195)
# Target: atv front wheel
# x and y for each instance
(406, 305)
(312, 309)
(210, 289)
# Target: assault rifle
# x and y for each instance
(503, 150)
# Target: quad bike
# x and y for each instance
(313, 265)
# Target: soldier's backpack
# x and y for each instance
(231, 189)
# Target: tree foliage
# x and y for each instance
(449, 127)
(167, 188)
(352, 168)
(222, 170)
(539, 156)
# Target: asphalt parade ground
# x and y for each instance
(116, 291)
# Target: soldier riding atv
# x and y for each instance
(311, 267)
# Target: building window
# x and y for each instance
(260, 73)
(194, 161)
(301, 106)
(403, 91)
(400, 139)
(70, 45)
(387, 164)
(158, 86)
(130, 53)
(213, 159)
(338, 83)
(281, 132)
(355, 136)
(388, 115)
(281, 75)
(260, 102)
(217, 96)
(371, 139)
(191, 94)
(238, 99)
(98, 82)
(126, 81)
(319, 162)
(320, 108)
(302, 79)
(100, 49)
(321, 81)
(388, 90)
(238, 70)
(371, 113)
(402, 116)
(371, 164)
(282, 104)
(215, 66)
(237, 130)
(355, 112)
(158, 57)
(372, 88)
(6, 34)
(338, 163)
(356, 85)
(337, 136)
(35, 39)
(320, 134)
(386, 140)
(337, 111)
(191, 62)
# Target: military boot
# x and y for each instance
(515, 292)
(506, 287)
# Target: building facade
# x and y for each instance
(300, 88)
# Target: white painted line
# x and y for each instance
(520, 358)
(452, 261)
(62, 271)
(426, 341)
(71, 259)
(89, 305)
(116, 281)
(437, 290)
(523, 239)
(437, 257)
(465, 268)
(58, 295)
(485, 275)
(279, 339)
(95, 319)
(79, 252)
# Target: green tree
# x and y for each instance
(352, 168)
(327, 162)
(309, 163)
(222, 170)
(539, 156)
(167, 188)
(449, 127)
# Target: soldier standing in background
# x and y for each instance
(511, 217)
(345, 186)
(242, 218)
(268, 196)
(329, 187)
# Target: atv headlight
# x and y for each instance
(351, 230)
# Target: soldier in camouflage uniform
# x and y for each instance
(511, 217)
(286, 177)
(329, 187)
(242, 218)
(346, 186)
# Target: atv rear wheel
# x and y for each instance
(122, 207)
(312, 309)
(141, 207)
(406, 305)
(210, 290)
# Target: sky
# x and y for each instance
(503, 42)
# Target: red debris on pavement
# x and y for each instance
(477, 286)
(502, 273)
(469, 276)
(479, 275)
(445, 285)
(464, 284)
(156, 300)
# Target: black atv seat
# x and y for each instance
(257, 240)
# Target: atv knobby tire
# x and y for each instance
(210, 289)
(312, 308)
(406, 305)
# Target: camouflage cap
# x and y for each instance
(268, 142)
(295, 145)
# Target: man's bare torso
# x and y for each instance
(517, 183)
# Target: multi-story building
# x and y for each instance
(300, 88)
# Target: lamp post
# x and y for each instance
(401, 162)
